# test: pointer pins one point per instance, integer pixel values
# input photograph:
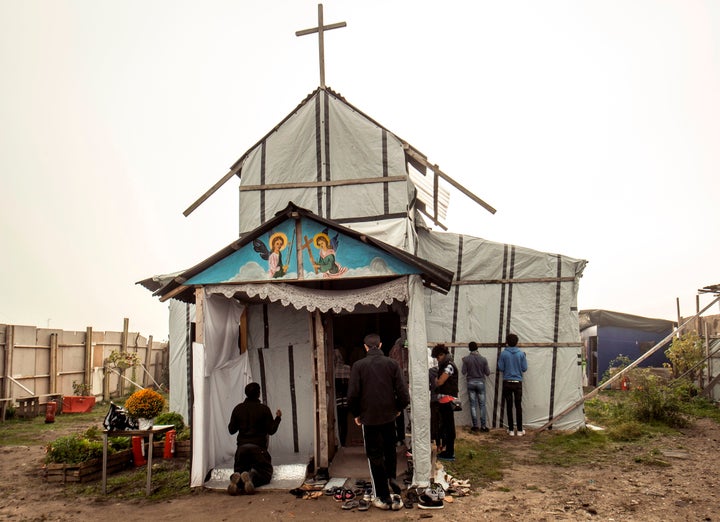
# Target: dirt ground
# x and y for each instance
(621, 485)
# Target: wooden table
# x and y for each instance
(155, 430)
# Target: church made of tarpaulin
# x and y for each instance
(334, 245)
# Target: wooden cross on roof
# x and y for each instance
(320, 29)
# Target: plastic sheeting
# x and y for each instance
(220, 375)
(503, 288)
(325, 139)
(181, 315)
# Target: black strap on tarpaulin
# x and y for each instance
(501, 327)
(263, 150)
(458, 277)
(293, 397)
(556, 335)
(318, 153)
(386, 194)
(189, 363)
(261, 357)
(328, 190)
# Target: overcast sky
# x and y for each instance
(592, 127)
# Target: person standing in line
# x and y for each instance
(254, 424)
(342, 377)
(513, 363)
(447, 392)
(376, 395)
(398, 353)
(475, 368)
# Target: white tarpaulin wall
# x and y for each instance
(220, 374)
(504, 288)
(280, 352)
(352, 147)
(181, 315)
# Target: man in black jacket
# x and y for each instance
(447, 391)
(376, 396)
(254, 424)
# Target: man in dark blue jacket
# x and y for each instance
(376, 396)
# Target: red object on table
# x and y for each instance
(138, 447)
(169, 449)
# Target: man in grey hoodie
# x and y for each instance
(513, 363)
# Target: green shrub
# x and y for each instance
(617, 364)
(73, 449)
(171, 417)
(651, 400)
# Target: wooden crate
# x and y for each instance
(89, 470)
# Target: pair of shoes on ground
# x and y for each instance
(394, 503)
(483, 429)
(519, 433)
(446, 457)
(427, 502)
(343, 495)
(361, 505)
(236, 488)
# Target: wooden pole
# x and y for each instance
(199, 311)
(53, 363)
(123, 349)
(148, 360)
(7, 384)
(697, 311)
(88, 356)
(322, 391)
(679, 317)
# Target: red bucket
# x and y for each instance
(50, 408)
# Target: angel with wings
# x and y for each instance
(278, 242)
(327, 263)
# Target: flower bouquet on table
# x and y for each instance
(144, 405)
(124, 360)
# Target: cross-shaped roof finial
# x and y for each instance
(320, 29)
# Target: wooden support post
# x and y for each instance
(148, 360)
(53, 363)
(7, 384)
(697, 311)
(88, 355)
(106, 382)
(199, 320)
(679, 317)
(123, 349)
(322, 392)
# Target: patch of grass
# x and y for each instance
(568, 449)
(35, 432)
(702, 407)
(170, 479)
(477, 461)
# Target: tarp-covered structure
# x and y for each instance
(608, 335)
(330, 171)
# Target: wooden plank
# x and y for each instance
(211, 190)
(7, 384)
(567, 279)
(148, 360)
(88, 355)
(330, 183)
(199, 318)
(53, 362)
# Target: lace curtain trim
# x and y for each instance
(323, 300)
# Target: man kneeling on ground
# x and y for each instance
(254, 424)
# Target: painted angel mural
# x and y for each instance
(278, 241)
(327, 263)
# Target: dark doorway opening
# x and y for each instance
(348, 331)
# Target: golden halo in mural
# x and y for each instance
(324, 236)
(282, 237)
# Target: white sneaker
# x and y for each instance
(381, 504)
(521, 433)
(511, 433)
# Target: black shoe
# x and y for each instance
(426, 502)
(475, 429)
(484, 429)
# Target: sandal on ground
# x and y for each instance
(363, 505)
(350, 504)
